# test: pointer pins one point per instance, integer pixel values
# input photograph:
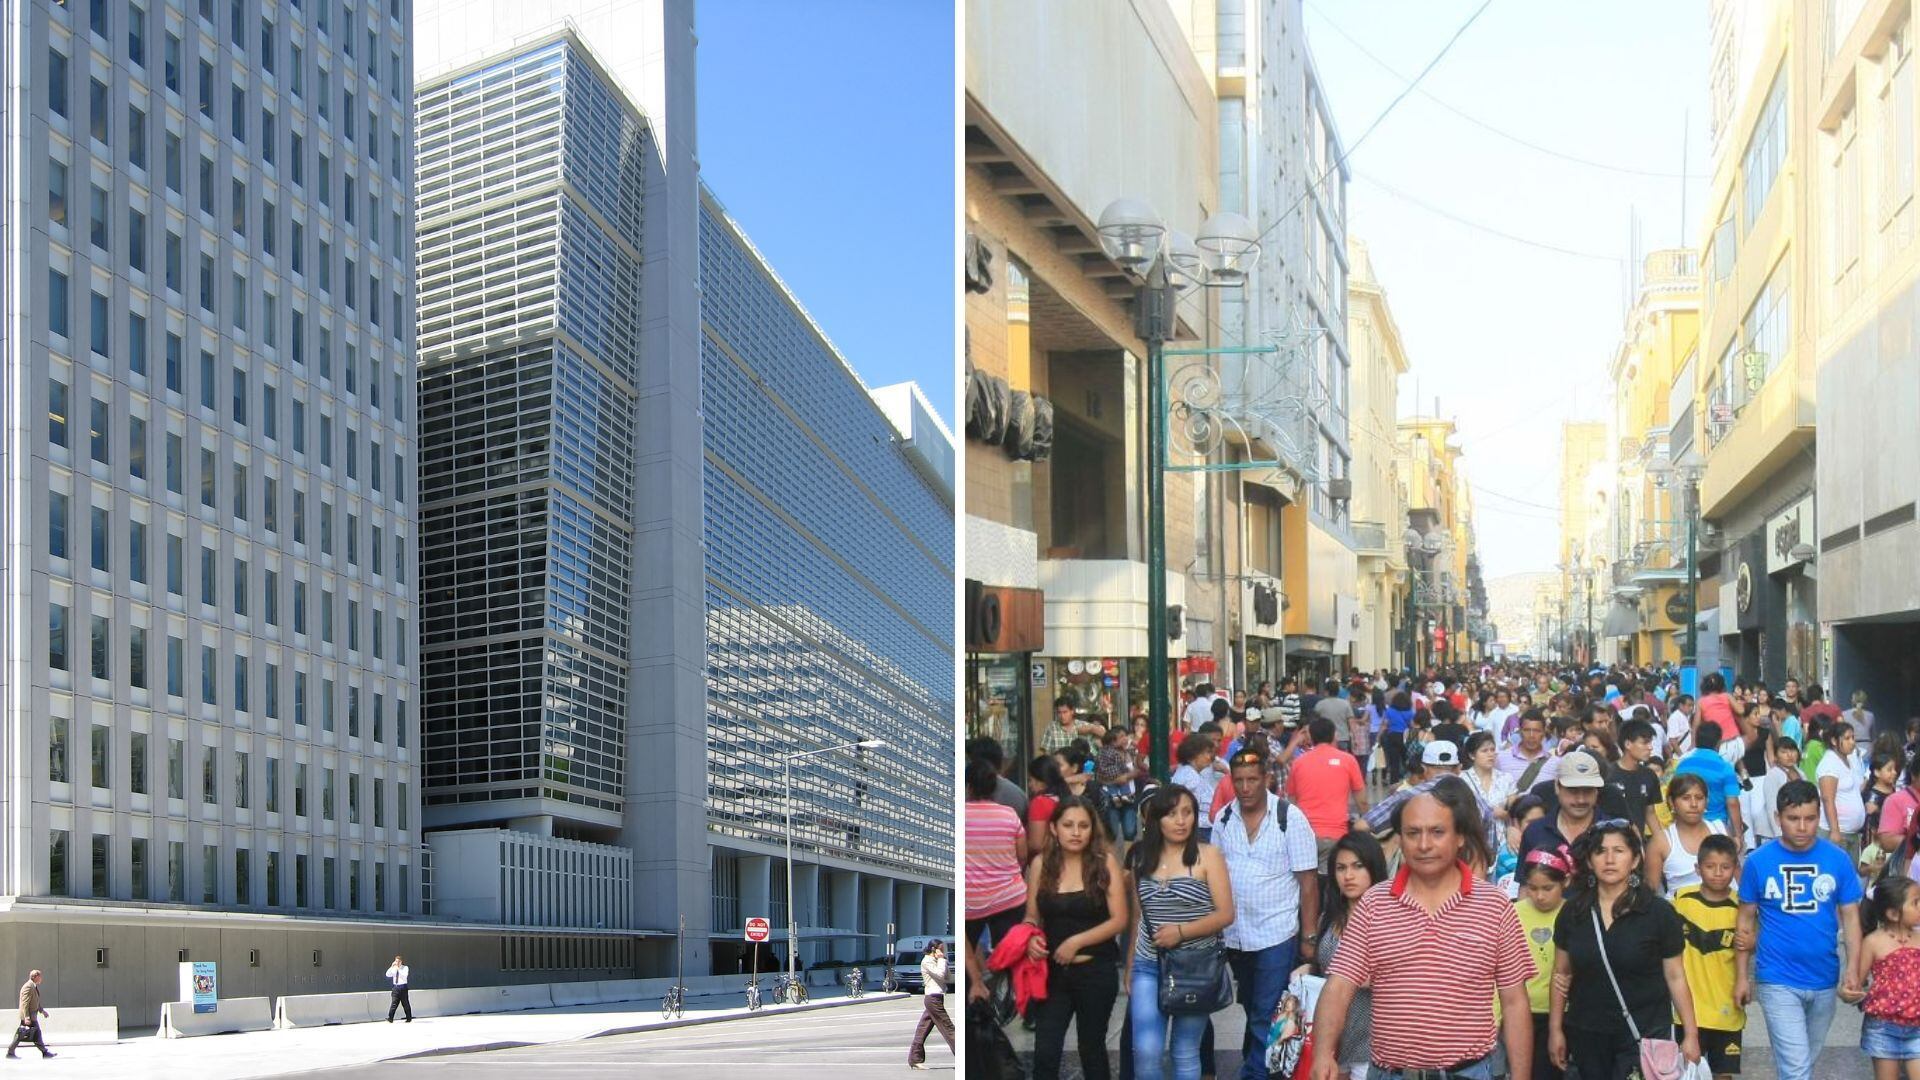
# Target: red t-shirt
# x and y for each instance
(1896, 814)
(1319, 783)
(1040, 809)
(1717, 709)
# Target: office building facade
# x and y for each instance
(610, 506)
(210, 696)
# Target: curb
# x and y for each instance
(663, 1025)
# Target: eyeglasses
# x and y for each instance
(1613, 823)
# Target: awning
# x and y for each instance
(1623, 620)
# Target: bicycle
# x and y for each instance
(853, 980)
(790, 990)
(674, 1003)
(753, 996)
(889, 982)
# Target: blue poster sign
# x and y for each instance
(206, 988)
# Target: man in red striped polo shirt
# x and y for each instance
(1435, 947)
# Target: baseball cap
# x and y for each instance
(1580, 769)
(1253, 714)
(1441, 752)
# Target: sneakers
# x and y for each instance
(49, 1054)
(921, 1065)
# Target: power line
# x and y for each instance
(1513, 498)
(1384, 113)
(1485, 228)
(1507, 135)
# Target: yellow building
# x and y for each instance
(1781, 112)
(1585, 495)
(1444, 567)
(1379, 502)
(1647, 545)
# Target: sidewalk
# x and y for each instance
(271, 1053)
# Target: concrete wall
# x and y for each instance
(142, 960)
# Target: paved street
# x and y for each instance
(865, 1040)
(376, 1048)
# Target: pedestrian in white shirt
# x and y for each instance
(933, 1005)
(1200, 709)
(399, 975)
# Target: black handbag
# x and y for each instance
(1195, 981)
(990, 1054)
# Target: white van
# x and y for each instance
(907, 956)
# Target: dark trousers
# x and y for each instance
(1395, 745)
(400, 1001)
(933, 1014)
(31, 1031)
(1592, 1056)
(1543, 1067)
(1083, 995)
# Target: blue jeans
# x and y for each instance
(1482, 1071)
(1261, 977)
(1122, 821)
(1150, 1028)
(1797, 1023)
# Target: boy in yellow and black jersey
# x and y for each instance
(1708, 913)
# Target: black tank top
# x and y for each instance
(1062, 915)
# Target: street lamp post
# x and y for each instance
(786, 767)
(1691, 466)
(1165, 265)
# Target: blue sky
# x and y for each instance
(827, 130)
(1513, 338)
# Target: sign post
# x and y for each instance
(758, 930)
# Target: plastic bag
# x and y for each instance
(1289, 1041)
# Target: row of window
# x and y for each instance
(101, 776)
(60, 879)
(60, 657)
(100, 449)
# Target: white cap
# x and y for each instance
(1440, 752)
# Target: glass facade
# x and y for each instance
(527, 414)
(829, 586)
(298, 218)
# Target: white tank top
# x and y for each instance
(1682, 867)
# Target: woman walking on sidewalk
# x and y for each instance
(933, 1014)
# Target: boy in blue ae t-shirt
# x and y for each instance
(1802, 892)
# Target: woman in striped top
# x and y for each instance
(1181, 900)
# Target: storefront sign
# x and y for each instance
(1679, 608)
(1786, 531)
(1038, 673)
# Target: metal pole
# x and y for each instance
(793, 947)
(1692, 659)
(1153, 319)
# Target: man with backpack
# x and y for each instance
(1268, 844)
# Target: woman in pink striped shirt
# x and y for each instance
(996, 852)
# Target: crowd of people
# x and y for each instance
(1519, 871)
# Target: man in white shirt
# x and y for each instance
(1200, 709)
(399, 975)
(1503, 707)
(1680, 728)
(1272, 863)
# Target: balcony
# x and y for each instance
(1764, 432)
(1674, 270)
(1370, 539)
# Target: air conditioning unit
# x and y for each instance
(1340, 489)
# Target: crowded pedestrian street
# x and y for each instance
(1440, 541)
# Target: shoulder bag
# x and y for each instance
(1660, 1059)
(1195, 981)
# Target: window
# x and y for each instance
(176, 870)
(266, 44)
(1896, 155)
(176, 769)
(273, 677)
(326, 442)
(299, 606)
(299, 516)
(326, 704)
(239, 586)
(136, 35)
(208, 479)
(269, 225)
(175, 164)
(97, 110)
(206, 185)
(176, 669)
(209, 776)
(176, 258)
(175, 466)
(239, 492)
(57, 749)
(326, 797)
(1766, 153)
(57, 81)
(239, 395)
(237, 213)
(102, 743)
(209, 873)
(176, 568)
(209, 665)
(137, 552)
(326, 624)
(100, 638)
(97, 218)
(57, 883)
(102, 534)
(136, 448)
(137, 761)
(136, 136)
(353, 626)
(296, 149)
(299, 789)
(237, 113)
(353, 712)
(57, 192)
(99, 865)
(100, 432)
(240, 793)
(327, 875)
(270, 587)
(136, 342)
(58, 305)
(300, 698)
(97, 310)
(174, 364)
(379, 804)
(137, 856)
(137, 665)
(137, 244)
(353, 799)
(97, 16)
(270, 512)
(57, 413)
(57, 511)
(171, 62)
(207, 300)
(1767, 330)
